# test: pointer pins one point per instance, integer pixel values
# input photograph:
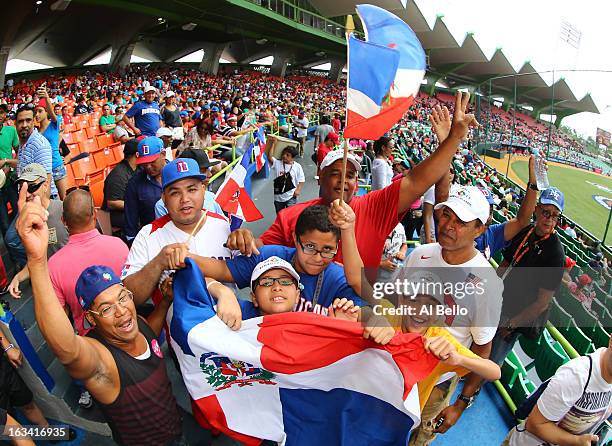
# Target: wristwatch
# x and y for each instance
(468, 400)
(532, 186)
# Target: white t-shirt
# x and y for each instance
(382, 174)
(300, 131)
(162, 232)
(394, 241)
(297, 176)
(482, 301)
(563, 400)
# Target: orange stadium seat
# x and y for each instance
(104, 140)
(104, 157)
(92, 132)
(89, 145)
(69, 128)
(69, 138)
(79, 136)
(82, 168)
(117, 149)
(75, 149)
(96, 187)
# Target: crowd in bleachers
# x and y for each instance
(141, 152)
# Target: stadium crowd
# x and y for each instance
(177, 129)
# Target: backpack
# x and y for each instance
(523, 411)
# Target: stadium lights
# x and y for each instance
(189, 26)
(38, 2)
(60, 5)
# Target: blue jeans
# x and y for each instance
(14, 246)
(280, 205)
(502, 346)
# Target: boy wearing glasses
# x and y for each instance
(532, 271)
(316, 241)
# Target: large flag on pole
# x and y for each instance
(384, 73)
(294, 378)
(234, 194)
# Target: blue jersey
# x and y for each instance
(146, 117)
(333, 285)
(492, 240)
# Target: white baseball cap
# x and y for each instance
(150, 88)
(468, 202)
(273, 263)
(426, 283)
(163, 131)
(336, 155)
(169, 94)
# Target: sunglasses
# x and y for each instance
(73, 188)
(29, 106)
(32, 187)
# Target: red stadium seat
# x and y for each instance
(104, 140)
(75, 149)
(117, 149)
(82, 168)
(69, 138)
(69, 128)
(79, 136)
(96, 187)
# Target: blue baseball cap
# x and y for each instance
(179, 169)
(206, 107)
(488, 195)
(214, 108)
(149, 149)
(92, 281)
(553, 196)
(184, 113)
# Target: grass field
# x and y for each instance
(579, 203)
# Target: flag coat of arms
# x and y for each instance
(294, 378)
(384, 73)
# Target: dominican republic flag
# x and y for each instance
(295, 378)
(260, 148)
(234, 194)
(384, 73)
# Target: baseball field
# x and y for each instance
(588, 196)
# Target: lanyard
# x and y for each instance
(315, 297)
(522, 250)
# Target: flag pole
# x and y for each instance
(195, 229)
(349, 27)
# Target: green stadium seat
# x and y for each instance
(530, 346)
(575, 272)
(598, 308)
(578, 339)
(560, 318)
(522, 388)
(600, 337)
(583, 317)
(509, 374)
(550, 357)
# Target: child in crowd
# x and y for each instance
(419, 313)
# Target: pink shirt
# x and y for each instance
(81, 251)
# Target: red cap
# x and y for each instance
(42, 103)
(334, 137)
(584, 279)
(569, 262)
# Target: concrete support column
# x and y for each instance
(4, 56)
(210, 59)
(335, 72)
(279, 65)
(121, 55)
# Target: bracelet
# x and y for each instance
(10, 346)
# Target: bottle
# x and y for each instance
(540, 171)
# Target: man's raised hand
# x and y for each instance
(32, 226)
(462, 121)
(242, 240)
(440, 119)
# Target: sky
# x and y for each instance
(526, 30)
(529, 30)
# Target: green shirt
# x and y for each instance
(8, 140)
(106, 120)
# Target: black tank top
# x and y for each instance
(145, 411)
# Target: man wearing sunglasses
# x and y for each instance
(532, 271)
(120, 362)
(35, 180)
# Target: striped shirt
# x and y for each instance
(36, 150)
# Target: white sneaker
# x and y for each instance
(85, 400)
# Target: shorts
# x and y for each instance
(59, 172)
(13, 391)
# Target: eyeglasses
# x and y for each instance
(548, 214)
(311, 250)
(29, 106)
(73, 188)
(269, 281)
(125, 297)
(32, 187)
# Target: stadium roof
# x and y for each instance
(71, 32)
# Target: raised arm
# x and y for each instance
(523, 218)
(213, 268)
(42, 92)
(79, 355)
(430, 170)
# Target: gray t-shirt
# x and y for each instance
(58, 235)
(322, 131)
